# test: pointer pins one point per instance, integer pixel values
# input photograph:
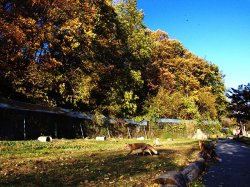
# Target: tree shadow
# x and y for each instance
(104, 167)
(98, 168)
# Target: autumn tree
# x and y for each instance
(30, 39)
(178, 70)
(99, 57)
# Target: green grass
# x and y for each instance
(196, 184)
(89, 162)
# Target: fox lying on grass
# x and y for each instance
(208, 150)
(141, 146)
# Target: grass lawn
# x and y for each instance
(89, 162)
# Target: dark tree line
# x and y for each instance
(240, 102)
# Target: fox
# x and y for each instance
(209, 150)
(142, 146)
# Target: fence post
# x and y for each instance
(129, 133)
(55, 129)
(145, 132)
(108, 132)
(81, 130)
(24, 128)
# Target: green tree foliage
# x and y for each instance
(99, 57)
(240, 102)
(139, 44)
(164, 104)
(206, 103)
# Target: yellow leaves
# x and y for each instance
(71, 25)
(81, 86)
(28, 21)
(13, 32)
(84, 88)
(129, 103)
(69, 38)
(62, 88)
(55, 62)
(136, 76)
(75, 45)
(90, 34)
(70, 31)
(121, 177)
(156, 185)
(36, 44)
(65, 50)
(159, 36)
(129, 95)
(19, 53)
(16, 56)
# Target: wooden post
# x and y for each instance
(81, 130)
(108, 132)
(129, 133)
(149, 128)
(145, 132)
(55, 130)
(137, 130)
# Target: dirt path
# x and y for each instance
(234, 170)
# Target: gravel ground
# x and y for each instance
(234, 170)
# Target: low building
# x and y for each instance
(19, 121)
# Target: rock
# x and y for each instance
(171, 179)
(199, 135)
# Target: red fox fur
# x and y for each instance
(209, 150)
(142, 146)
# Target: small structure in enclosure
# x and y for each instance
(182, 128)
(137, 129)
(20, 121)
(124, 128)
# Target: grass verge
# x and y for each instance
(89, 162)
(243, 139)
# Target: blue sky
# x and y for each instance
(217, 30)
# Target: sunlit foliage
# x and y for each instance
(98, 56)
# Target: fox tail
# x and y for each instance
(151, 148)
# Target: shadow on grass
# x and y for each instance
(102, 168)
(61, 165)
(185, 143)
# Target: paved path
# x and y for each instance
(234, 170)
